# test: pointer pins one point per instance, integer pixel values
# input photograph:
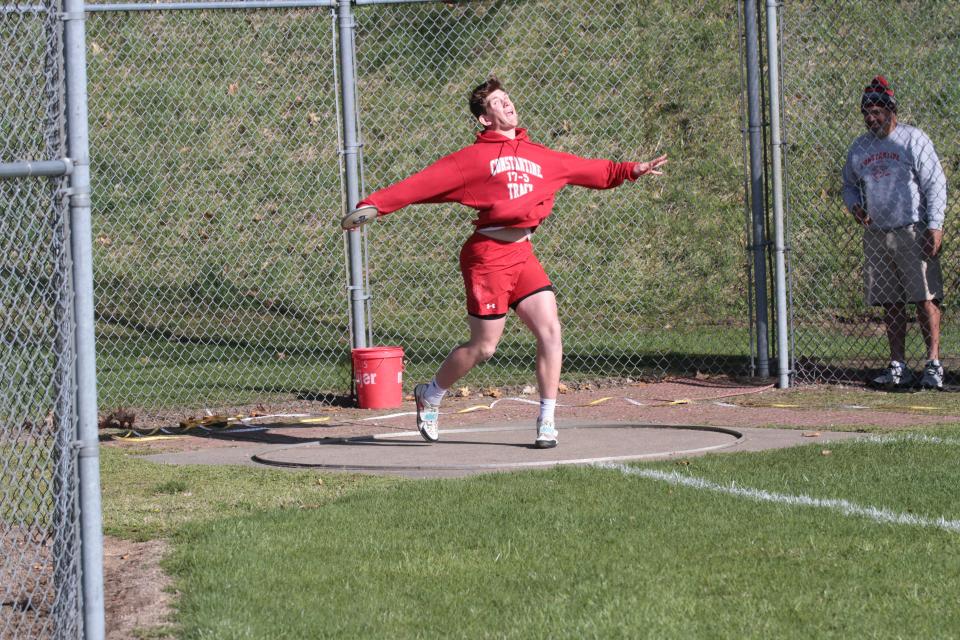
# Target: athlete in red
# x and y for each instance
(511, 182)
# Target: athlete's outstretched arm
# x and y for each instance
(606, 174)
(440, 182)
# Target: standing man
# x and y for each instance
(510, 181)
(894, 186)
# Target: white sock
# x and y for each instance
(434, 393)
(547, 407)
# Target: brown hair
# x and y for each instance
(479, 96)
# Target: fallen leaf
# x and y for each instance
(527, 390)
(462, 392)
(826, 452)
(313, 118)
(811, 434)
(119, 419)
(562, 388)
(494, 392)
(232, 89)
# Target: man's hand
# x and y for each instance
(652, 167)
(932, 240)
(357, 217)
(861, 215)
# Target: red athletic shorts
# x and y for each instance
(498, 275)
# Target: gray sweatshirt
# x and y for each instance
(897, 180)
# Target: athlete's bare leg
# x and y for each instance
(484, 337)
(539, 313)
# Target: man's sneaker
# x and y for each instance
(897, 375)
(932, 375)
(428, 415)
(546, 434)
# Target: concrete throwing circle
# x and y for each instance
(476, 449)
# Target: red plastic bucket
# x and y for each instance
(378, 375)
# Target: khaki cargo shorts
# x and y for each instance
(896, 270)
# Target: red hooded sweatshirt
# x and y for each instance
(511, 183)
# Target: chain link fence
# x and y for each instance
(830, 52)
(220, 272)
(39, 520)
(215, 136)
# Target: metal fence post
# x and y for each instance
(81, 242)
(756, 183)
(358, 294)
(773, 87)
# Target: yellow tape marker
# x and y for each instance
(315, 420)
(921, 407)
(599, 400)
(784, 406)
(143, 438)
(479, 407)
(682, 401)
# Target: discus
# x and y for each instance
(358, 217)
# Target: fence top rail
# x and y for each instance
(362, 2)
(216, 5)
(199, 6)
(23, 8)
(35, 168)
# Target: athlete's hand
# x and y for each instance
(933, 239)
(652, 167)
(861, 215)
(357, 217)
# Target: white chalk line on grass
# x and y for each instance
(880, 515)
(909, 437)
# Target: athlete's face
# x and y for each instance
(500, 114)
(879, 120)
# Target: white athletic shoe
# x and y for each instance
(428, 415)
(932, 375)
(546, 434)
(897, 375)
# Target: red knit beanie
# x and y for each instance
(880, 93)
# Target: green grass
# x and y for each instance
(585, 552)
(144, 500)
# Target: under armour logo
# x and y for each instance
(491, 305)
